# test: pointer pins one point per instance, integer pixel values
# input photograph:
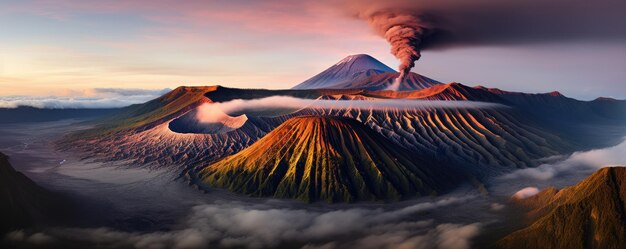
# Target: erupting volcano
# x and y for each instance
(404, 32)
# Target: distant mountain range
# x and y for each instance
(475, 143)
(31, 114)
(588, 215)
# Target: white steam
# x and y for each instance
(287, 102)
(395, 86)
(583, 162)
(211, 114)
(526, 192)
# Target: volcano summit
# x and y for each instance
(362, 71)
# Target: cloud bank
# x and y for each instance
(579, 162)
(89, 99)
(238, 225)
(290, 103)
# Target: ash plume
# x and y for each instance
(457, 23)
(413, 26)
(404, 32)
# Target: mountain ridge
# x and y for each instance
(327, 158)
(23, 202)
(590, 214)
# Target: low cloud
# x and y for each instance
(89, 98)
(579, 162)
(526, 192)
(496, 206)
(239, 225)
(35, 238)
(287, 102)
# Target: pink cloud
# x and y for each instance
(289, 18)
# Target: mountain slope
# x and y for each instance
(591, 214)
(451, 91)
(555, 104)
(346, 69)
(160, 133)
(412, 81)
(22, 202)
(327, 158)
(149, 114)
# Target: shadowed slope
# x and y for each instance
(412, 81)
(22, 202)
(327, 158)
(556, 105)
(590, 214)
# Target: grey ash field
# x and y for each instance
(336, 162)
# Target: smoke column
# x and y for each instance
(404, 33)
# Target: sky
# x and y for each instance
(66, 47)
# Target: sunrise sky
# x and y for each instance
(65, 48)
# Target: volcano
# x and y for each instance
(328, 158)
(349, 68)
(363, 72)
(411, 81)
(591, 214)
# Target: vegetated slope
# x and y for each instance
(22, 202)
(574, 118)
(158, 133)
(328, 158)
(347, 69)
(492, 140)
(576, 121)
(590, 214)
(149, 114)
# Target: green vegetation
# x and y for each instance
(151, 112)
(328, 158)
